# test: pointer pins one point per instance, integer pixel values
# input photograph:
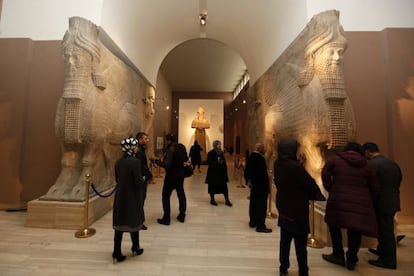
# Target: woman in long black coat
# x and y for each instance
(128, 211)
(217, 176)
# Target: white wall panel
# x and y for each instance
(44, 19)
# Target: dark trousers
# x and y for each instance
(196, 162)
(354, 243)
(300, 247)
(387, 247)
(168, 187)
(257, 210)
(118, 241)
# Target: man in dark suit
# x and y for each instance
(143, 140)
(390, 177)
(255, 173)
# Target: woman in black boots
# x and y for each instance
(217, 176)
(128, 211)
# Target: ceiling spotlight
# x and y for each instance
(203, 19)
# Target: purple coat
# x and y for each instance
(352, 190)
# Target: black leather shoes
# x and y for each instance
(380, 263)
(332, 259)
(400, 237)
(264, 230)
(143, 227)
(181, 218)
(350, 266)
(373, 251)
(163, 221)
(213, 202)
(228, 203)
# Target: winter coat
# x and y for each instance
(295, 187)
(389, 175)
(142, 157)
(256, 173)
(128, 210)
(352, 191)
(173, 162)
(195, 153)
(217, 176)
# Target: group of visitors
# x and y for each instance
(362, 185)
(132, 175)
(364, 196)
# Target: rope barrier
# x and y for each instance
(102, 195)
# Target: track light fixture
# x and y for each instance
(203, 19)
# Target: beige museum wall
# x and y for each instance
(379, 73)
(379, 67)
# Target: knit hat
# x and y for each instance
(128, 145)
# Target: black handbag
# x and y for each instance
(188, 170)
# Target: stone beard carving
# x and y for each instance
(149, 102)
(303, 97)
(200, 123)
(98, 109)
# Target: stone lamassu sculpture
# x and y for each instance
(99, 107)
(302, 96)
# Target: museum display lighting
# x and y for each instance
(244, 81)
(203, 19)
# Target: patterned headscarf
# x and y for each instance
(215, 146)
(128, 145)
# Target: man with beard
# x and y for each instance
(143, 140)
(333, 116)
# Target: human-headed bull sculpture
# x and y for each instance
(101, 104)
(302, 96)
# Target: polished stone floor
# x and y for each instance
(214, 240)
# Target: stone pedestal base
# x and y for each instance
(65, 215)
(322, 231)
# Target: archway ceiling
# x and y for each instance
(203, 65)
(251, 35)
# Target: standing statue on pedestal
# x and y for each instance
(201, 124)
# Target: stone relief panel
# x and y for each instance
(102, 103)
(302, 95)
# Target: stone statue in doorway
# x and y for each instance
(200, 123)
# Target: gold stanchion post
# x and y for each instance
(270, 214)
(241, 177)
(236, 167)
(312, 242)
(86, 232)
